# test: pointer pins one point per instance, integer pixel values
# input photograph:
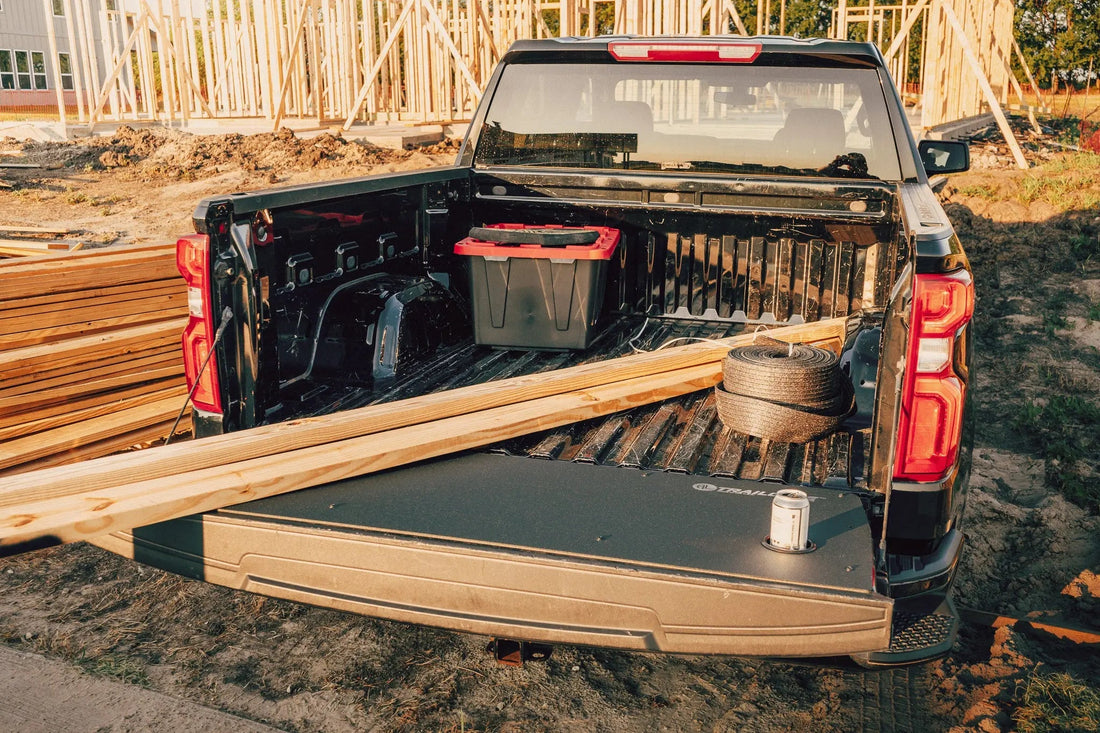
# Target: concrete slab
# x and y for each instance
(39, 695)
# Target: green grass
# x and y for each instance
(1067, 182)
(120, 668)
(1050, 703)
(1065, 430)
(979, 191)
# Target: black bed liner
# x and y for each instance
(681, 435)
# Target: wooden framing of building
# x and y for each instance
(427, 61)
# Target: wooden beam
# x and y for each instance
(295, 46)
(383, 55)
(987, 90)
(331, 429)
(903, 32)
(87, 514)
(18, 362)
(40, 445)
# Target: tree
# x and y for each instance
(1059, 37)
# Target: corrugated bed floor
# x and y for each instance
(682, 435)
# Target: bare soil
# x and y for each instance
(1034, 239)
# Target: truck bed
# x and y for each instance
(682, 435)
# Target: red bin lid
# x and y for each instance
(601, 249)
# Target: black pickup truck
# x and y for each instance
(746, 182)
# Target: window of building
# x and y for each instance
(7, 70)
(38, 66)
(58, 7)
(66, 65)
(23, 69)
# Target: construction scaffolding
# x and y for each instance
(427, 61)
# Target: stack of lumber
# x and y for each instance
(89, 353)
(111, 494)
(27, 241)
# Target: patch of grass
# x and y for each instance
(124, 669)
(1046, 703)
(979, 191)
(1054, 314)
(1093, 313)
(1065, 430)
(1085, 247)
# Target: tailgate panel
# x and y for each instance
(549, 551)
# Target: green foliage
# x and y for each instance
(1046, 703)
(805, 18)
(1066, 430)
(1058, 37)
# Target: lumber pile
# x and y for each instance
(111, 494)
(28, 241)
(89, 353)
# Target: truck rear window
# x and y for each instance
(774, 120)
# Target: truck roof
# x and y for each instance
(826, 49)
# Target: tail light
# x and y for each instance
(193, 262)
(933, 392)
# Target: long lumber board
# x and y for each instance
(108, 446)
(85, 514)
(50, 442)
(86, 372)
(86, 328)
(115, 401)
(11, 416)
(109, 294)
(85, 257)
(19, 285)
(75, 351)
(91, 309)
(318, 433)
(70, 393)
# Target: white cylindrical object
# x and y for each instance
(790, 528)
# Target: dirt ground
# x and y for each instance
(1034, 239)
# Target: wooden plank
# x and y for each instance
(92, 257)
(40, 445)
(990, 97)
(106, 447)
(91, 298)
(458, 403)
(23, 285)
(79, 395)
(18, 362)
(52, 325)
(85, 513)
(12, 229)
(116, 365)
(36, 423)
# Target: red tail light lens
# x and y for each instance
(933, 394)
(718, 53)
(193, 262)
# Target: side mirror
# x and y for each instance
(944, 156)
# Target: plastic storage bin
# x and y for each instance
(535, 296)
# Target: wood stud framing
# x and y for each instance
(428, 60)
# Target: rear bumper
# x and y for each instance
(514, 594)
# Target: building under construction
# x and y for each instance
(426, 61)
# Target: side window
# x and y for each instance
(66, 64)
(23, 69)
(38, 65)
(7, 70)
(58, 8)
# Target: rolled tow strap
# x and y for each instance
(790, 393)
